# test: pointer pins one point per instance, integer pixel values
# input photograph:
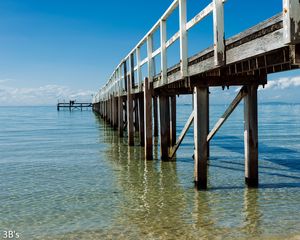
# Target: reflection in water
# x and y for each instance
(157, 204)
(91, 185)
(252, 213)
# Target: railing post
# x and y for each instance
(139, 71)
(291, 21)
(163, 39)
(219, 46)
(130, 126)
(150, 62)
(183, 38)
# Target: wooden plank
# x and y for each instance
(200, 136)
(144, 61)
(227, 113)
(156, 52)
(172, 120)
(291, 21)
(130, 126)
(182, 135)
(251, 136)
(148, 120)
(164, 117)
(200, 16)
(183, 38)
(219, 46)
(172, 39)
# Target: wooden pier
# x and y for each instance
(72, 105)
(130, 101)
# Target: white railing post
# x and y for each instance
(219, 46)
(139, 70)
(163, 49)
(291, 21)
(183, 38)
(150, 62)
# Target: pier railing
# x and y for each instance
(117, 83)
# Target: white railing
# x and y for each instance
(116, 83)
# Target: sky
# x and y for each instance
(54, 50)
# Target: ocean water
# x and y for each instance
(67, 175)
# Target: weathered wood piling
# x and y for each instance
(147, 106)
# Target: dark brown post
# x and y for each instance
(120, 116)
(200, 136)
(155, 116)
(173, 120)
(141, 120)
(148, 120)
(164, 114)
(251, 137)
(136, 114)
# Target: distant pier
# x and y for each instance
(139, 102)
(73, 105)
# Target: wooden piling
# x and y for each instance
(200, 136)
(155, 116)
(251, 136)
(130, 126)
(148, 120)
(136, 114)
(141, 120)
(164, 119)
(173, 120)
(120, 117)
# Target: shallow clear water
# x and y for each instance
(68, 176)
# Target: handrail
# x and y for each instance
(116, 83)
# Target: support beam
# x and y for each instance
(141, 120)
(200, 136)
(164, 117)
(251, 137)
(182, 135)
(155, 116)
(173, 120)
(227, 113)
(148, 120)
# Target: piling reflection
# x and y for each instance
(154, 203)
(252, 213)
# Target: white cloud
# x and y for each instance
(283, 83)
(44, 95)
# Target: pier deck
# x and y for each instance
(127, 100)
(74, 105)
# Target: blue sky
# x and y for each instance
(54, 49)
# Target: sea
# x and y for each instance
(67, 175)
